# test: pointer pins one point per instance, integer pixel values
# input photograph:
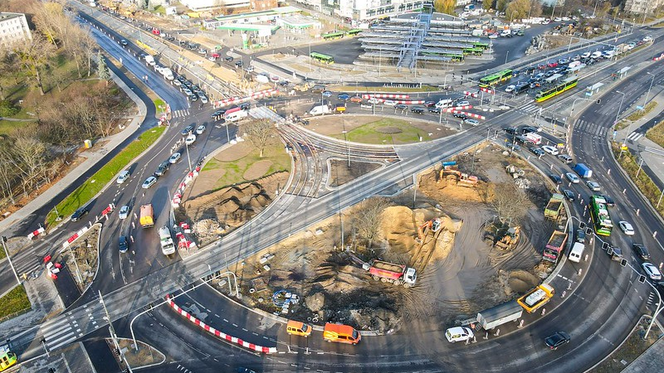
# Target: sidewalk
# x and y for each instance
(92, 157)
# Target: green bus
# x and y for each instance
(561, 87)
(480, 44)
(494, 79)
(473, 51)
(323, 58)
(333, 35)
(600, 215)
(353, 32)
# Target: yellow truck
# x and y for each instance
(536, 298)
(147, 216)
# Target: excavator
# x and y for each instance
(433, 225)
(463, 179)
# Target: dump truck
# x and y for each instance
(536, 298)
(166, 241)
(555, 205)
(499, 315)
(555, 246)
(147, 216)
(397, 274)
(583, 171)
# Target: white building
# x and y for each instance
(13, 29)
(641, 6)
(360, 10)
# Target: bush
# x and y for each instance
(7, 109)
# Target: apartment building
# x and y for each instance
(641, 6)
(13, 29)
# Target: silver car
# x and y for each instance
(149, 182)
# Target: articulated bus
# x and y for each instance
(324, 58)
(494, 79)
(559, 88)
(7, 358)
(353, 32)
(333, 35)
(600, 215)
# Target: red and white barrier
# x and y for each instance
(74, 237)
(36, 233)
(108, 209)
(211, 330)
(239, 100)
(661, 56)
(466, 107)
(487, 90)
(471, 94)
(406, 102)
(384, 96)
(470, 115)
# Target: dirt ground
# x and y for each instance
(459, 273)
(341, 173)
(84, 251)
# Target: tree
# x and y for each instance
(509, 201)
(259, 132)
(487, 4)
(535, 8)
(34, 57)
(444, 6)
(368, 218)
(501, 5)
(102, 69)
(517, 9)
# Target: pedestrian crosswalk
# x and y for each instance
(71, 326)
(530, 108)
(180, 113)
(590, 128)
(634, 136)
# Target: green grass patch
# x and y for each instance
(14, 302)
(160, 105)
(96, 183)
(645, 184)
(349, 89)
(234, 171)
(385, 131)
(636, 115)
(656, 133)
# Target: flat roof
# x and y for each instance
(265, 13)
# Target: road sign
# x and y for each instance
(639, 107)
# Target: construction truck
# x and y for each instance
(555, 205)
(450, 168)
(166, 241)
(536, 298)
(147, 216)
(499, 315)
(509, 240)
(555, 246)
(397, 274)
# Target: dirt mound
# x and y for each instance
(447, 189)
(521, 281)
(398, 228)
(257, 169)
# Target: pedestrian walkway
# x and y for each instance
(10, 225)
(180, 113)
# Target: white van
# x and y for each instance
(577, 252)
(446, 102)
(459, 334)
(124, 175)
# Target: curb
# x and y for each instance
(217, 333)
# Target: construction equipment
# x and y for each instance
(397, 274)
(509, 240)
(433, 225)
(450, 168)
(553, 208)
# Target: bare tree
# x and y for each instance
(509, 201)
(7, 179)
(259, 132)
(369, 217)
(34, 57)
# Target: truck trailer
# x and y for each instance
(499, 315)
(536, 298)
(147, 216)
(397, 274)
(555, 246)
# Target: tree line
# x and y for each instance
(61, 78)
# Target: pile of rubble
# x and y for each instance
(519, 176)
(208, 230)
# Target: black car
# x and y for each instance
(246, 106)
(641, 251)
(123, 245)
(511, 130)
(238, 64)
(461, 116)
(429, 103)
(187, 130)
(609, 201)
(537, 151)
(434, 110)
(417, 110)
(79, 213)
(528, 129)
(569, 194)
(556, 340)
(161, 170)
(229, 59)
(556, 179)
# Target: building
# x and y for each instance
(260, 5)
(13, 29)
(364, 10)
(641, 6)
(212, 5)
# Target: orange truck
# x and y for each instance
(341, 334)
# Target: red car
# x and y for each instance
(552, 64)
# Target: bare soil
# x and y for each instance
(458, 272)
(340, 173)
(84, 251)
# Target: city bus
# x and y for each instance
(599, 212)
(494, 79)
(561, 87)
(7, 358)
(353, 32)
(324, 58)
(333, 35)
(473, 51)
(480, 44)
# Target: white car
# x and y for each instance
(200, 129)
(174, 158)
(124, 212)
(626, 228)
(124, 175)
(472, 122)
(389, 103)
(593, 186)
(550, 149)
(150, 181)
(462, 103)
(572, 178)
(647, 38)
(585, 55)
(204, 99)
(651, 271)
(510, 88)
(459, 334)
(190, 139)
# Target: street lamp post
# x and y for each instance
(4, 240)
(616, 122)
(507, 55)
(649, 88)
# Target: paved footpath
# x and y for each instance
(92, 157)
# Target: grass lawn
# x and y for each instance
(94, 184)
(234, 171)
(160, 105)
(656, 133)
(643, 181)
(14, 302)
(384, 131)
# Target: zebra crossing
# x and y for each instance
(180, 113)
(634, 136)
(590, 128)
(71, 326)
(530, 108)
